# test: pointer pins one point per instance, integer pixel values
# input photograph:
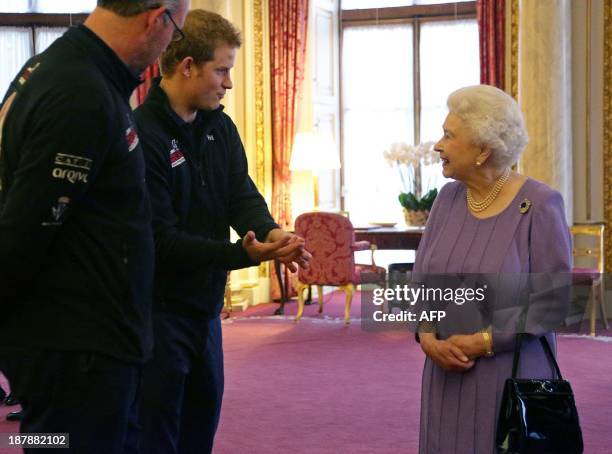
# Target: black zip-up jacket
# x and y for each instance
(76, 244)
(198, 181)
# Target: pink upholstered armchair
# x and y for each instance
(330, 238)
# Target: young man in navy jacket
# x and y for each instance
(76, 244)
(197, 176)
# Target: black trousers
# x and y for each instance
(92, 397)
(182, 386)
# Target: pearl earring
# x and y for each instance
(477, 163)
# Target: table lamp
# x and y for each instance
(314, 152)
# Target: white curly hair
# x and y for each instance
(494, 119)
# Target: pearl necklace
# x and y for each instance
(477, 207)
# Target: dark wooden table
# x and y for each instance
(402, 238)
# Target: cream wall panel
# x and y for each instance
(545, 93)
(587, 108)
(217, 6)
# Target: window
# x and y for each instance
(14, 6)
(65, 6)
(47, 6)
(27, 27)
(398, 66)
(364, 4)
(377, 110)
(15, 49)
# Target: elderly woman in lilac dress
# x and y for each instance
(494, 220)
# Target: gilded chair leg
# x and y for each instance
(320, 295)
(348, 289)
(602, 302)
(300, 291)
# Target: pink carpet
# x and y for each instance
(321, 387)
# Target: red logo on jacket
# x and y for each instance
(131, 137)
(176, 155)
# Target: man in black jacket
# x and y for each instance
(76, 245)
(197, 175)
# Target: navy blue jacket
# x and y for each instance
(76, 245)
(198, 181)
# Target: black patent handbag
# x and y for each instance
(538, 416)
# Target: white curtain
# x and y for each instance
(449, 60)
(46, 35)
(47, 6)
(362, 4)
(64, 6)
(447, 48)
(15, 49)
(377, 111)
(377, 80)
(14, 6)
(16, 43)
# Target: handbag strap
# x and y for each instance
(547, 351)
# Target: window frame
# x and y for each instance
(35, 20)
(415, 15)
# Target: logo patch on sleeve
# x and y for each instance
(131, 137)
(176, 155)
(25, 75)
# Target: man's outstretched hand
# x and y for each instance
(296, 257)
(279, 245)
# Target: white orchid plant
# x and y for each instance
(409, 160)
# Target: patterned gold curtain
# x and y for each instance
(490, 15)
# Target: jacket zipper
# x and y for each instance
(203, 163)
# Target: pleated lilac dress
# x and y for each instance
(459, 410)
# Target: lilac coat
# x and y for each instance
(459, 410)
